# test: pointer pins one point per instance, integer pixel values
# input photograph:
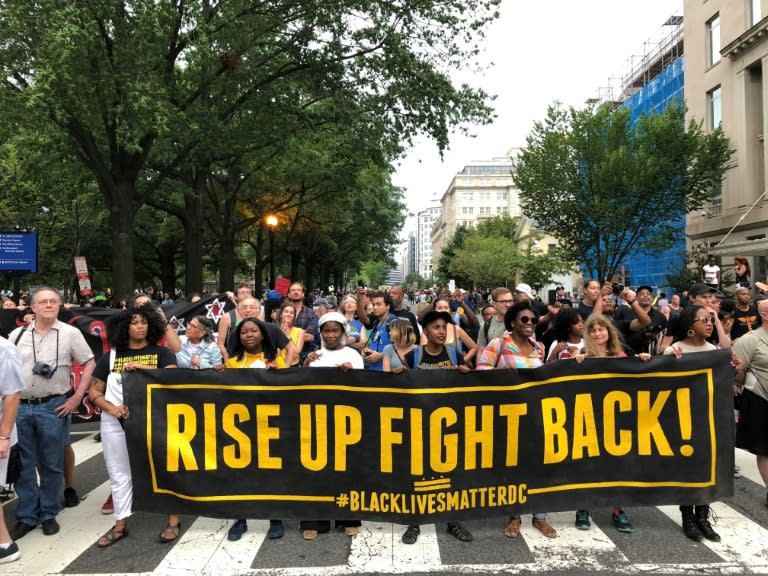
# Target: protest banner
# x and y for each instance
(431, 445)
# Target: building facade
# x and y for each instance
(726, 83)
(425, 220)
(482, 190)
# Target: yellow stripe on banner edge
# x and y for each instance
(419, 391)
(248, 497)
(614, 484)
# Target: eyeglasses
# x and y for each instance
(704, 319)
(503, 301)
(527, 319)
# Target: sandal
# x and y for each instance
(170, 533)
(512, 529)
(112, 536)
(458, 531)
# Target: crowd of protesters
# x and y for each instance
(392, 330)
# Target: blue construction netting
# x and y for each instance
(654, 97)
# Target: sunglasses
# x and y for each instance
(527, 319)
(704, 319)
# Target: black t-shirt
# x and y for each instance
(433, 362)
(156, 356)
(744, 321)
(641, 341)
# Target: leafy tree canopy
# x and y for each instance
(605, 187)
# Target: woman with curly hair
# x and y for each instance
(133, 336)
(569, 335)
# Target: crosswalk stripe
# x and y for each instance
(42, 554)
(86, 448)
(204, 547)
(743, 541)
(379, 548)
(748, 466)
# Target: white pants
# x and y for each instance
(118, 465)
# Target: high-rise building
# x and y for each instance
(425, 220)
(482, 190)
(726, 84)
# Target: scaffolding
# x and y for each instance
(659, 52)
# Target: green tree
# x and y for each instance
(374, 273)
(447, 254)
(137, 86)
(486, 260)
(605, 187)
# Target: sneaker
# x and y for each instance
(582, 520)
(411, 535)
(9, 554)
(237, 530)
(276, 529)
(108, 507)
(621, 522)
(50, 527)
(20, 529)
(71, 499)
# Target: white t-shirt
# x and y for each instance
(332, 358)
(710, 274)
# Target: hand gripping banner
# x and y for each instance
(427, 445)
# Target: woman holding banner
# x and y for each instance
(436, 355)
(133, 337)
(253, 347)
(333, 353)
(602, 340)
(697, 323)
(518, 348)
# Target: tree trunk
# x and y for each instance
(193, 235)
(121, 218)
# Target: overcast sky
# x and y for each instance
(542, 51)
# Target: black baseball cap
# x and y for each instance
(699, 289)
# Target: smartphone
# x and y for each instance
(361, 283)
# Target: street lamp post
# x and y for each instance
(271, 221)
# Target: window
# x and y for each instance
(467, 210)
(501, 196)
(714, 108)
(713, 41)
(754, 13)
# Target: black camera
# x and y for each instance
(43, 369)
(617, 288)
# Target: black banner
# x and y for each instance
(437, 444)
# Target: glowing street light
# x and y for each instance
(271, 222)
